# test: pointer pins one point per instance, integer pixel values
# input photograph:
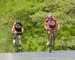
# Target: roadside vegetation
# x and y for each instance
(32, 14)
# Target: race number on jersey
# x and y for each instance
(51, 22)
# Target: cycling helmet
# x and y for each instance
(18, 21)
(49, 15)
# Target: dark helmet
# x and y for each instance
(18, 21)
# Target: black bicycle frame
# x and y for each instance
(17, 42)
(51, 42)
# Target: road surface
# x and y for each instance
(55, 55)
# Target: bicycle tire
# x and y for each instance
(17, 44)
(51, 43)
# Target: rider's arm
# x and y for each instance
(22, 27)
(46, 23)
(13, 29)
(58, 25)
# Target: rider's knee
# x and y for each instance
(48, 32)
(19, 36)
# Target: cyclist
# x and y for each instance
(51, 23)
(17, 27)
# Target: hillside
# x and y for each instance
(32, 14)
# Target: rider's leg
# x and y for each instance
(54, 37)
(19, 40)
(14, 38)
(48, 38)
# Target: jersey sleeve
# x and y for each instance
(14, 24)
(54, 18)
(46, 19)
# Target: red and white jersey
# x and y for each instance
(51, 22)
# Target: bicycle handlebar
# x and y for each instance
(52, 30)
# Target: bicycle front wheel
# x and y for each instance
(17, 45)
(51, 43)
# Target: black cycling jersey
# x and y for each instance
(18, 27)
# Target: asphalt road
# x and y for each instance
(55, 55)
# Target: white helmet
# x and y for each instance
(49, 15)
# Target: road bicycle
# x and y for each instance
(52, 37)
(17, 41)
